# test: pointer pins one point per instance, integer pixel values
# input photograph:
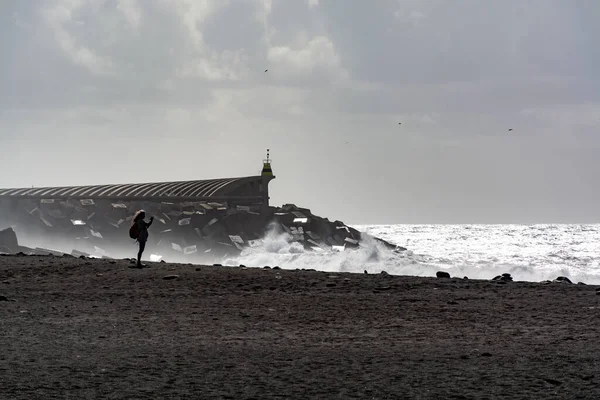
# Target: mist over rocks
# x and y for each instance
(199, 232)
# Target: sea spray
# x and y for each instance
(528, 252)
(476, 251)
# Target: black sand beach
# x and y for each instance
(82, 328)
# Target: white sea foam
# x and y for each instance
(528, 252)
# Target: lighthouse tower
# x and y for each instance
(266, 175)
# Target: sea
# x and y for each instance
(527, 252)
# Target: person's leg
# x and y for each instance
(142, 245)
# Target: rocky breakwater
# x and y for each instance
(199, 232)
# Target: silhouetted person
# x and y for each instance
(142, 231)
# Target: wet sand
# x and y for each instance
(80, 328)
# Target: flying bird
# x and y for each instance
(510, 130)
(399, 123)
(266, 70)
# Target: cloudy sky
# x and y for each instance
(118, 91)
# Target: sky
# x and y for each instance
(376, 112)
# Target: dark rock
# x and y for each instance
(276, 267)
(382, 288)
(581, 283)
(198, 269)
(266, 267)
(3, 298)
(486, 354)
(80, 254)
(162, 261)
(366, 271)
(506, 275)
(170, 277)
(552, 381)
(466, 278)
(8, 238)
(442, 274)
(384, 273)
(217, 265)
(242, 266)
(562, 279)
(47, 252)
(331, 284)
(452, 302)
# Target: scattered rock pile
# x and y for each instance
(503, 278)
(562, 279)
(185, 231)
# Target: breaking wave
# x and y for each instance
(527, 252)
(279, 249)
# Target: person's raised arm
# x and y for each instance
(150, 223)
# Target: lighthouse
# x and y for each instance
(266, 176)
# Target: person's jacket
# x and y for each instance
(143, 229)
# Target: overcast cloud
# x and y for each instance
(118, 91)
